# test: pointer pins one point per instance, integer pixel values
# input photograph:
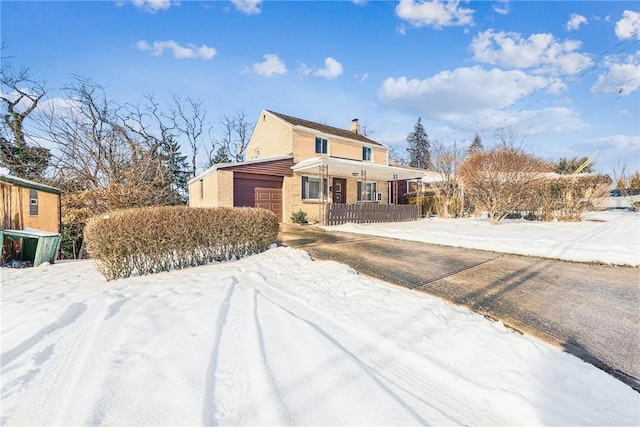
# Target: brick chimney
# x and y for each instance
(355, 126)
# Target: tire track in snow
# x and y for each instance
(368, 370)
(267, 371)
(376, 364)
(209, 410)
(71, 314)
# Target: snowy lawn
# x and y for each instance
(276, 339)
(611, 237)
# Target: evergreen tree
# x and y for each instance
(173, 172)
(476, 145)
(221, 156)
(23, 160)
(567, 166)
(175, 169)
(419, 147)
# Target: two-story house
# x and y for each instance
(295, 164)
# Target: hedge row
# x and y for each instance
(154, 239)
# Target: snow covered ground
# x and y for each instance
(276, 339)
(611, 237)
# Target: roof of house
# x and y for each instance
(325, 128)
(219, 166)
(29, 184)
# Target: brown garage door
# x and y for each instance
(257, 190)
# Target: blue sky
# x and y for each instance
(562, 75)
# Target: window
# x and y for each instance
(321, 145)
(367, 191)
(33, 202)
(311, 188)
(366, 153)
(201, 188)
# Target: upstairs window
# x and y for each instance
(366, 153)
(33, 202)
(321, 145)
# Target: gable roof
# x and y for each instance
(29, 184)
(343, 133)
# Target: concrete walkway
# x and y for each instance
(591, 311)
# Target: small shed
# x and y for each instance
(37, 246)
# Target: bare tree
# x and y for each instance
(190, 120)
(446, 160)
(236, 137)
(501, 180)
(20, 95)
(101, 144)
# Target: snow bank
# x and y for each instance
(276, 339)
(609, 237)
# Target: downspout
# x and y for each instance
(60, 224)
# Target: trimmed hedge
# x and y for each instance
(154, 239)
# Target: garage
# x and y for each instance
(258, 190)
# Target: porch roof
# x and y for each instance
(354, 168)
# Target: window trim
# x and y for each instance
(33, 202)
(304, 193)
(372, 195)
(324, 145)
(367, 154)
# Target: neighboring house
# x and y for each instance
(295, 164)
(28, 204)
(31, 221)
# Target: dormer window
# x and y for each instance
(366, 153)
(321, 145)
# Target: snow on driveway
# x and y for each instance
(276, 339)
(611, 237)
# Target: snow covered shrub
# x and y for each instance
(154, 239)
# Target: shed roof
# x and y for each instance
(221, 166)
(343, 133)
(29, 184)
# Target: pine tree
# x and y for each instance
(419, 147)
(221, 156)
(23, 160)
(476, 145)
(176, 169)
(567, 166)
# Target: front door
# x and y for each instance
(339, 190)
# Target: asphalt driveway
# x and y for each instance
(591, 311)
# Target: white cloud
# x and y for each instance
(540, 52)
(359, 2)
(473, 99)
(501, 7)
(271, 66)
(331, 70)
(249, 7)
(575, 21)
(629, 25)
(179, 52)
(434, 13)
(459, 91)
(153, 6)
(620, 78)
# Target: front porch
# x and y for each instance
(344, 190)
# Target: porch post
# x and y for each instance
(323, 173)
